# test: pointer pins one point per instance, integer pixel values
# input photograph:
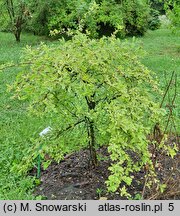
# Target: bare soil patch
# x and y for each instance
(72, 179)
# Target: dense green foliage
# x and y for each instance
(154, 21)
(173, 12)
(95, 17)
(158, 5)
(4, 18)
(97, 90)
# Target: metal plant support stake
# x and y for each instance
(41, 134)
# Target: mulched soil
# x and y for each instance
(72, 179)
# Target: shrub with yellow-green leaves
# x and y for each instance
(100, 94)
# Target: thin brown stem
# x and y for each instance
(69, 127)
(167, 89)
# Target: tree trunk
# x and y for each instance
(17, 19)
(91, 134)
(92, 150)
(17, 34)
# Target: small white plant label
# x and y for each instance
(45, 131)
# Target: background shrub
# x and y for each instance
(158, 5)
(173, 12)
(97, 17)
(154, 21)
(135, 15)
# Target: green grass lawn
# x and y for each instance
(163, 57)
(18, 129)
(163, 51)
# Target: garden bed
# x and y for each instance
(72, 179)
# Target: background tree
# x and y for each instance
(18, 14)
(40, 12)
